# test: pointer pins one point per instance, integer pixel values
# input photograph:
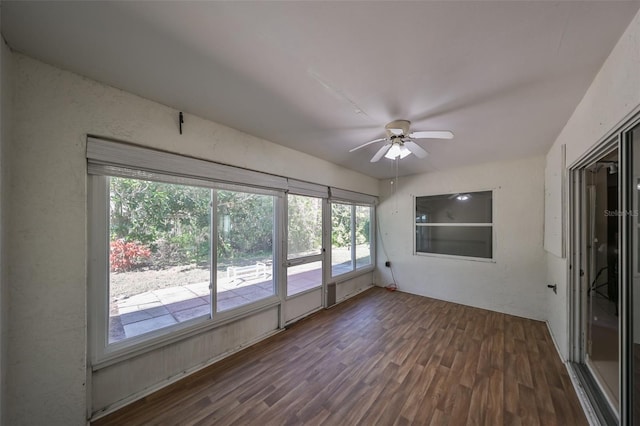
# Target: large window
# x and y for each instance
(455, 224)
(350, 237)
(160, 245)
(180, 245)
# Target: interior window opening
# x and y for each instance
(459, 224)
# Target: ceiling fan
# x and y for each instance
(400, 142)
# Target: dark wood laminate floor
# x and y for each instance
(380, 358)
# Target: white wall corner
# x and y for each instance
(5, 123)
(513, 282)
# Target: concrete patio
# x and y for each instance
(149, 311)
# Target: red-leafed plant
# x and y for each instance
(127, 256)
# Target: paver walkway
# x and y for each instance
(160, 308)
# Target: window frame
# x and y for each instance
(111, 158)
(355, 271)
(105, 353)
(311, 258)
(277, 233)
(491, 224)
(294, 260)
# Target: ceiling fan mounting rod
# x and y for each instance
(398, 127)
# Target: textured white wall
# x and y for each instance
(514, 284)
(613, 95)
(53, 111)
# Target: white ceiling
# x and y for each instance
(503, 76)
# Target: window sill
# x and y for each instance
(454, 257)
(193, 328)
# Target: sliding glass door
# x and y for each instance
(605, 271)
(633, 272)
(601, 322)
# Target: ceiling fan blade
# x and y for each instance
(368, 143)
(432, 134)
(415, 149)
(382, 151)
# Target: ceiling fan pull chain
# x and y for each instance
(395, 189)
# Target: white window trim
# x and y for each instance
(450, 225)
(454, 257)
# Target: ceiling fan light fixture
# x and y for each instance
(400, 143)
(397, 150)
(463, 197)
(393, 152)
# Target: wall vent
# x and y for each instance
(331, 294)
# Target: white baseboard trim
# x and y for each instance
(555, 343)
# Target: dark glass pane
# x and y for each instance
(471, 241)
(635, 276)
(467, 207)
(601, 249)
